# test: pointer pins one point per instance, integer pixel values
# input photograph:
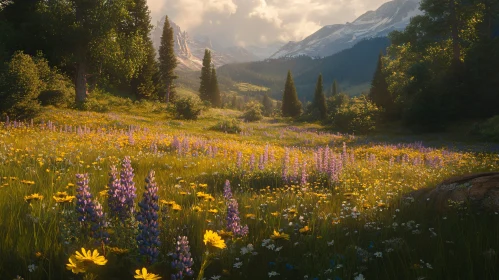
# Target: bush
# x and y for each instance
(232, 126)
(187, 108)
(20, 86)
(253, 112)
(490, 129)
(91, 104)
(357, 116)
(59, 91)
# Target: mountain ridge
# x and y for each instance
(331, 39)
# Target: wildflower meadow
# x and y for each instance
(98, 196)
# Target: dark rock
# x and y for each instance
(479, 191)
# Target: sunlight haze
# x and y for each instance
(247, 22)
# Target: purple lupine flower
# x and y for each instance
(252, 162)
(127, 191)
(148, 238)
(304, 174)
(84, 205)
(233, 219)
(99, 224)
(239, 162)
(285, 164)
(91, 217)
(266, 154)
(261, 163)
(113, 191)
(296, 169)
(182, 262)
(227, 190)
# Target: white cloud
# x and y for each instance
(246, 22)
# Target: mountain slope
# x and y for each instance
(353, 69)
(190, 51)
(393, 15)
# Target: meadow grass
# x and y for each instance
(353, 219)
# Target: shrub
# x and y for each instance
(232, 126)
(59, 91)
(187, 108)
(253, 112)
(20, 86)
(91, 104)
(489, 130)
(357, 116)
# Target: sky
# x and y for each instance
(258, 22)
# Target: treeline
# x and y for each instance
(443, 67)
(90, 44)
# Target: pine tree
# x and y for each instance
(379, 93)
(334, 89)
(291, 106)
(214, 91)
(167, 62)
(147, 83)
(319, 98)
(204, 86)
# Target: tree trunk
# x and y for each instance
(456, 48)
(81, 82)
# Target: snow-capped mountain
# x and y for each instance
(190, 51)
(330, 39)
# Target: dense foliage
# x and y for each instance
(443, 66)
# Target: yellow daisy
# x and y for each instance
(75, 266)
(212, 239)
(278, 235)
(145, 275)
(90, 257)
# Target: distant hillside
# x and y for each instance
(353, 69)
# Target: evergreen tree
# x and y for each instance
(379, 93)
(319, 98)
(147, 84)
(291, 106)
(204, 87)
(167, 61)
(214, 91)
(334, 89)
(268, 105)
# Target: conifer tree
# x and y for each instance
(334, 89)
(291, 106)
(319, 98)
(204, 87)
(147, 83)
(379, 93)
(167, 62)
(214, 91)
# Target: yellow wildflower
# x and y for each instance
(75, 266)
(212, 239)
(145, 275)
(34, 196)
(278, 235)
(90, 257)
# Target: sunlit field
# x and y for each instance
(186, 202)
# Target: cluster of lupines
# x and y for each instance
(182, 262)
(239, 162)
(148, 238)
(329, 163)
(233, 219)
(285, 166)
(91, 216)
(122, 191)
